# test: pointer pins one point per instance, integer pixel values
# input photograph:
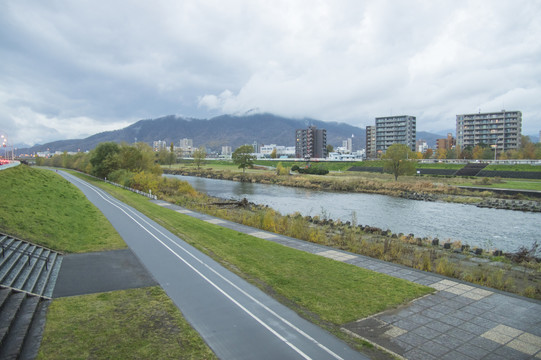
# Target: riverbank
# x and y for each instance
(520, 275)
(422, 190)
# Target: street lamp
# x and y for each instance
(496, 149)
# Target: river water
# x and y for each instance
(487, 228)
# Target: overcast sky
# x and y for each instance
(70, 69)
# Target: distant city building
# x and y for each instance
(395, 130)
(347, 145)
(502, 130)
(421, 146)
(256, 147)
(267, 150)
(371, 142)
(226, 150)
(310, 143)
(186, 143)
(159, 145)
(446, 143)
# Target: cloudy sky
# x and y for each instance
(70, 69)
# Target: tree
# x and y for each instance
(397, 160)
(451, 154)
(138, 157)
(172, 157)
(441, 154)
(199, 156)
(243, 156)
(330, 149)
(273, 154)
(428, 154)
(281, 170)
(466, 153)
(104, 159)
(527, 148)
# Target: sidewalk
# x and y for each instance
(459, 321)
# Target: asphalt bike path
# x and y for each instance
(235, 318)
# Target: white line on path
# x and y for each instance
(105, 196)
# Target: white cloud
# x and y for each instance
(347, 60)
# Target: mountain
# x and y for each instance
(219, 131)
(212, 133)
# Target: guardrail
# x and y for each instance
(148, 195)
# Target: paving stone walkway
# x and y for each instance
(459, 321)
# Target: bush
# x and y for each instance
(313, 170)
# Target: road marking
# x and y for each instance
(104, 194)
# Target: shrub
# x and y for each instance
(445, 267)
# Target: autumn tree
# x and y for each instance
(199, 156)
(398, 160)
(441, 154)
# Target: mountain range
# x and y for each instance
(219, 131)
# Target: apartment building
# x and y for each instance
(395, 130)
(159, 145)
(310, 143)
(371, 142)
(502, 130)
(446, 143)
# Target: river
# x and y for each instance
(482, 227)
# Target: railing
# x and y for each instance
(28, 253)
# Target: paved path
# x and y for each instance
(459, 321)
(95, 272)
(236, 319)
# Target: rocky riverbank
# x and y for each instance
(423, 191)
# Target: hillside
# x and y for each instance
(212, 133)
(217, 132)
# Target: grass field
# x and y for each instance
(129, 324)
(40, 206)
(509, 184)
(519, 167)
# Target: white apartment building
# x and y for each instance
(395, 130)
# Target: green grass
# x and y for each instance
(439, 166)
(517, 167)
(129, 324)
(40, 206)
(335, 292)
(510, 184)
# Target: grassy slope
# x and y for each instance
(40, 206)
(509, 184)
(129, 324)
(336, 292)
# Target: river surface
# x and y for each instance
(487, 228)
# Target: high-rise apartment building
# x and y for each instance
(310, 143)
(371, 142)
(502, 130)
(395, 130)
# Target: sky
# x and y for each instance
(71, 69)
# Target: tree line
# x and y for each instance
(481, 151)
